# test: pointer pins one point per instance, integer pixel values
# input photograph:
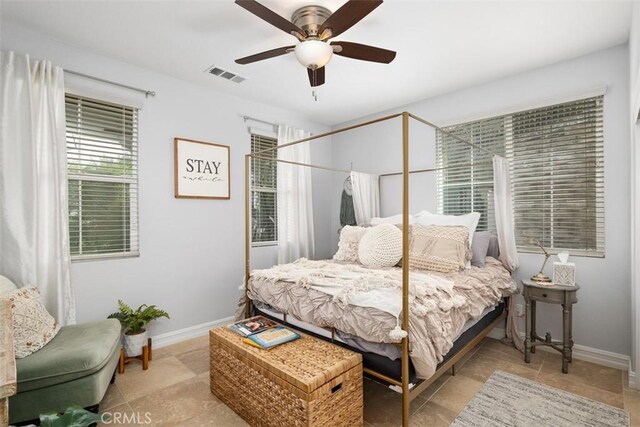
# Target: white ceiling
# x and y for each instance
(442, 45)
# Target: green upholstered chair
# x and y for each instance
(74, 369)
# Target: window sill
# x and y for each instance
(104, 257)
(572, 252)
(263, 244)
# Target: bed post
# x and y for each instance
(406, 398)
(247, 234)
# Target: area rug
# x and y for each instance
(510, 400)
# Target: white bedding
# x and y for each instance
(439, 312)
(354, 284)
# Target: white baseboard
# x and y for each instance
(634, 382)
(496, 333)
(581, 352)
(196, 331)
(600, 357)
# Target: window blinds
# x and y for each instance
(467, 183)
(102, 156)
(264, 195)
(557, 174)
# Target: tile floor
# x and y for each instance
(175, 389)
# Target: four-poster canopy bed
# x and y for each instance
(508, 256)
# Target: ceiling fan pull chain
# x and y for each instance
(314, 92)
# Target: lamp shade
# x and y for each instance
(313, 53)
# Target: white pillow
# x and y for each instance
(395, 219)
(6, 285)
(469, 220)
(33, 326)
(348, 245)
(381, 246)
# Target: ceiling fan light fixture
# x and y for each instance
(313, 26)
(313, 53)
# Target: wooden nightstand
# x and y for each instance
(554, 294)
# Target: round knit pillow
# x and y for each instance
(381, 246)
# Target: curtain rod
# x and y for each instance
(147, 93)
(245, 118)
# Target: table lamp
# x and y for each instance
(540, 277)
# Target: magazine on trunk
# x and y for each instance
(252, 325)
(272, 337)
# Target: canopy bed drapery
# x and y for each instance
(504, 223)
(506, 236)
(366, 196)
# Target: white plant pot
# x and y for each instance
(133, 344)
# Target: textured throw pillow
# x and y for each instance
(439, 248)
(6, 285)
(469, 220)
(381, 246)
(395, 219)
(33, 326)
(480, 247)
(348, 245)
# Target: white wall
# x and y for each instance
(602, 316)
(191, 251)
(634, 79)
(377, 149)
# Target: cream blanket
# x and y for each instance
(365, 287)
(364, 302)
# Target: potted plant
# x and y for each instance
(74, 416)
(133, 325)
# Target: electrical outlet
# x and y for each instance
(519, 310)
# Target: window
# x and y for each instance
(102, 155)
(557, 173)
(264, 223)
(469, 187)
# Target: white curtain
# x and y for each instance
(34, 236)
(505, 227)
(295, 202)
(504, 213)
(366, 197)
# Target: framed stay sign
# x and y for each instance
(201, 170)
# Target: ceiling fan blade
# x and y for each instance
(346, 17)
(364, 52)
(271, 17)
(316, 77)
(264, 55)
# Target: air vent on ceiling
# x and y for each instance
(219, 72)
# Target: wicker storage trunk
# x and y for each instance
(307, 382)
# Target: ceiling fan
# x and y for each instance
(313, 26)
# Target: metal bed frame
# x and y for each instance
(408, 394)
